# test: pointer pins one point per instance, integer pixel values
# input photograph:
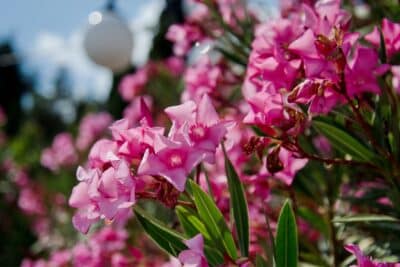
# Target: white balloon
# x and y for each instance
(108, 41)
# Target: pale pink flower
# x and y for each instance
(104, 194)
(194, 256)
(183, 36)
(173, 160)
(136, 111)
(391, 37)
(291, 165)
(30, 201)
(132, 84)
(62, 153)
(199, 124)
(91, 127)
(201, 78)
(396, 78)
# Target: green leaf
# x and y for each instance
(213, 219)
(238, 205)
(167, 239)
(260, 262)
(191, 222)
(382, 47)
(270, 248)
(344, 142)
(286, 238)
(365, 218)
(192, 226)
(214, 256)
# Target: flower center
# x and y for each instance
(175, 159)
(197, 132)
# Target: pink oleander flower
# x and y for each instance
(194, 256)
(183, 36)
(136, 111)
(91, 127)
(62, 153)
(132, 84)
(365, 261)
(106, 194)
(271, 65)
(272, 111)
(321, 95)
(200, 79)
(60, 258)
(175, 65)
(231, 11)
(172, 160)
(322, 145)
(199, 125)
(131, 143)
(30, 201)
(326, 15)
(396, 78)
(361, 72)
(391, 36)
(289, 165)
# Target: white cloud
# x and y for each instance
(143, 26)
(51, 51)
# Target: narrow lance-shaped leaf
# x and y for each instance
(286, 238)
(260, 262)
(165, 238)
(238, 205)
(192, 226)
(213, 219)
(344, 142)
(366, 218)
(191, 223)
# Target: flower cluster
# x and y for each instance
(310, 58)
(64, 150)
(108, 247)
(138, 161)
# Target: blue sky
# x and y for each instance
(23, 19)
(48, 34)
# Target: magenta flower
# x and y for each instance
(361, 72)
(194, 256)
(172, 160)
(290, 165)
(321, 95)
(199, 125)
(391, 36)
(364, 261)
